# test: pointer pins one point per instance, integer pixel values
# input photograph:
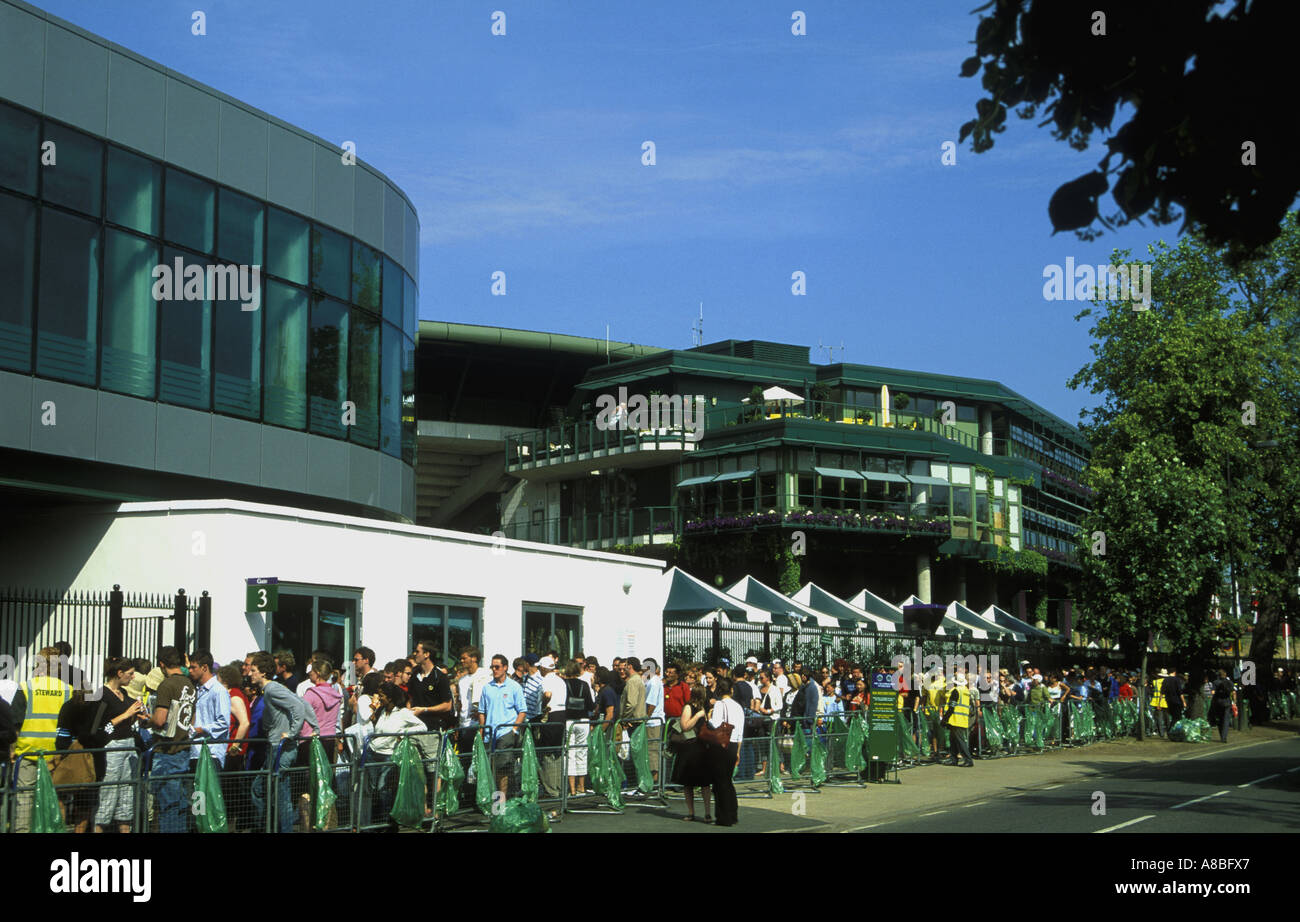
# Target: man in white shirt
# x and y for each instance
(727, 711)
(555, 703)
(779, 678)
(654, 709)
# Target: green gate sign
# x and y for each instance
(826, 638)
(882, 717)
(262, 594)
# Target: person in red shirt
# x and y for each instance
(1125, 689)
(676, 692)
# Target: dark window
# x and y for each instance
(363, 377)
(130, 315)
(392, 293)
(134, 191)
(20, 149)
(237, 359)
(75, 180)
(285, 356)
(17, 257)
(239, 233)
(390, 393)
(288, 246)
(188, 210)
(68, 315)
(327, 369)
(965, 414)
(365, 277)
(408, 401)
(447, 628)
(331, 264)
(547, 629)
(961, 502)
(186, 357)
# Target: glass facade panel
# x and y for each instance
(409, 309)
(287, 246)
(392, 293)
(188, 211)
(75, 181)
(390, 393)
(184, 372)
(19, 137)
(237, 359)
(961, 502)
(17, 276)
(239, 229)
(327, 370)
(130, 315)
(68, 314)
(363, 378)
(365, 277)
(134, 191)
(331, 263)
(285, 356)
(408, 401)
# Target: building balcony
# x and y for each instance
(562, 451)
(644, 525)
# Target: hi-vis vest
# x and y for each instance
(45, 696)
(1158, 696)
(961, 710)
(934, 694)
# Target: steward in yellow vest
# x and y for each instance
(957, 718)
(43, 696)
(1158, 694)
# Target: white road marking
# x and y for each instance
(1052, 787)
(1258, 780)
(935, 813)
(1129, 823)
(1290, 770)
(978, 803)
(1198, 800)
(1215, 752)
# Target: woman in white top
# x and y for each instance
(723, 761)
(392, 719)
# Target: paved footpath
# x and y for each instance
(1252, 784)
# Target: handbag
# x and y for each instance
(716, 736)
(77, 767)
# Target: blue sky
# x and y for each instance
(775, 153)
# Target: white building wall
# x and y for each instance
(216, 546)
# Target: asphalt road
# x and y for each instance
(1250, 789)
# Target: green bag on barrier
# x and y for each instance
(596, 757)
(838, 741)
(611, 773)
(322, 785)
(210, 812)
(818, 768)
(45, 802)
(529, 785)
(1052, 725)
(1081, 724)
(408, 804)
(774, 785)
(1011, 718)
(451, 776)
(906, 745)
(483, 787)
(639, 745)
(1034, 718)
(992, 727)
(798, 752)
(853, 758)
(519, 815)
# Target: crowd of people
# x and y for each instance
(179, 707)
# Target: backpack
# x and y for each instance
(799, 703)
(580, 703)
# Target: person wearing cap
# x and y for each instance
(1159, 703)
(550, 730)
(957, 718)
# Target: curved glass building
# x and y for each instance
(197, 299)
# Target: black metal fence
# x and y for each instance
(97, 624)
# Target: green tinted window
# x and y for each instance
(20, 149)
(188, 211)
(285, 371)
(68, 313)
(239, 232)
(134, 191)
(17, 275)
(127, 353)
(75, 180)
(287, 246)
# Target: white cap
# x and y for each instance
(752, 659)
(546, 663)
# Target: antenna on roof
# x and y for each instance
(697, 329)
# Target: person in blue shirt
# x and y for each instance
(211, 710)
(501, 714)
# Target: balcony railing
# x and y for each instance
(643, 525)
(583, 440)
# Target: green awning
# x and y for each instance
(838, 473)
(694, 481)
(881, 475)
(928, 481)
(735, 475)
(688, 599)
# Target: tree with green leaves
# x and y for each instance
(1196, 448)
(1197, 81)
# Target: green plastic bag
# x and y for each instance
(1010, 718)
(408, 805)
(45, 802)
(1190, 730)
(838, 744)
(529, 785)
(519, 815)
(322, 786)
(1034, 720)
(596, 757)
(611, 773)
(774, 785)
(640, 749)
(818, 768)
(798, 752)
(992, 727)
(482, 776)
(452, 775)
(211, 815)
(906, 745)
(857, 738)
